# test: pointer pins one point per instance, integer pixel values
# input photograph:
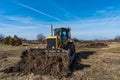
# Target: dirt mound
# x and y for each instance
(96, 45)
(36, 61)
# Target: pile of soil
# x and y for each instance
(36, 61)
(96, 45)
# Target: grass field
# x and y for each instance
(91, 63)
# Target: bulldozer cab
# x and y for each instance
(62, 33)
(59, 39)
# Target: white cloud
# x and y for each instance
(108, 12)
(38, 11)
(106, 27)
(110, 7)
(102, 11)
(20, 19)
(26, 27)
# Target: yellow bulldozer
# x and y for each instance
(60, 43)
(56, 59)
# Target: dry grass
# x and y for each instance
(93, 63)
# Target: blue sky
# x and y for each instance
(88, 19)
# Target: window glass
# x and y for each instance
(64, 35)
(57, 32)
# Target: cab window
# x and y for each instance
(64, 35)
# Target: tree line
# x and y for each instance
(8, 40)
(16, 41)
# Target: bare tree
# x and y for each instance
(117, 38)
(40, 37)
(1, 37)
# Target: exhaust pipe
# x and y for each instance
(51, 30)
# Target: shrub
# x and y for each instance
(15, 41)
(7, 40)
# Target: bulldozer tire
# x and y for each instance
(71, 53)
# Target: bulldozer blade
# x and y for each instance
(43, 62)
(53, 52)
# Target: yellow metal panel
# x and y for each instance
(70, 40)
(51, 37)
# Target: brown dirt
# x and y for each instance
(36, 61)
(3, 56)
(89, 64)
(92, 44)
(96, 45)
